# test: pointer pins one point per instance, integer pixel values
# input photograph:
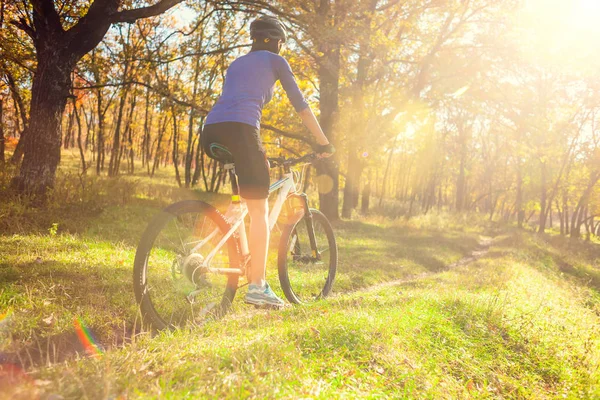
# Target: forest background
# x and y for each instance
(455, 105)
(463, 194)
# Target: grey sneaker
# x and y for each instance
(263, 296)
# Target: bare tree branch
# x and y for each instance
(143, 12)
(291, 135)
(22, 25)
(202, 53)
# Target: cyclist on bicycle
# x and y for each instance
(234, 123)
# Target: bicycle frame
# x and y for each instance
(235, 214)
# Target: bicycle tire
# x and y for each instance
(149, 304)
(296, 276)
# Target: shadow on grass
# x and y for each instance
(47, 296)
(398, 251)
(89, 274)
(574, 257)
(64, 346)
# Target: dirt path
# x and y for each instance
(482, 249)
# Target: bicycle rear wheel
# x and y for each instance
(171, 287)
(306, 276)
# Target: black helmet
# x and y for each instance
(267, 27)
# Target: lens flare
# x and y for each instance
(4, 319)
(86, 338)
(460, 92)
(324, 183)
(14, 382)
(365, 154)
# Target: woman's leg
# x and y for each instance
(258, 209)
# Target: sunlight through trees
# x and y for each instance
(470, 105)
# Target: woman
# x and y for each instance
(234, 122)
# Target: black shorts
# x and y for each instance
(243, 141)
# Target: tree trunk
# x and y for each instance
(460, 186)
(100, 138)
(461, 183)
(387, 169)
(69, 131)
(129, 134)
(89, 129)
(519, 201)
(588, 220)
(561, 218)
(146, 141)
(190, 145)
(366, 196)
(176, 147)
(351, 188)
(566, 215)
(329, 77)
(50, 89)
(199, 156)
(578, 216)
(20, 106)
(543, 205)
(2, 160)
(358, 128)
(411, 205)
(113, 166)
(189, 152)
(163, 127)
(79, 143)
(203, 168)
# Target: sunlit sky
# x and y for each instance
(561, 31)
(184, 15)
(567, 30)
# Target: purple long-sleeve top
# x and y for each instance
(249, 85)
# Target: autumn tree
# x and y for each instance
(61, 38)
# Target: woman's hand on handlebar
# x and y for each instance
(324, 150)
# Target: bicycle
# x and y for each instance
(190, 277)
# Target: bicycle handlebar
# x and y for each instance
(289, 162)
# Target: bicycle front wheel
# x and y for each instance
(306, 272)
(171, 284)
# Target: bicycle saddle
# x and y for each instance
(221, 153)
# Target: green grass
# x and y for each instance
(522, 321)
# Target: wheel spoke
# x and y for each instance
(179, 234)
(306, 279)
(168, 288)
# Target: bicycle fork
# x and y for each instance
(310, 227)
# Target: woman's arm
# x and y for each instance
(288, 81)
(310, 121)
